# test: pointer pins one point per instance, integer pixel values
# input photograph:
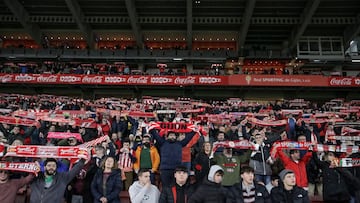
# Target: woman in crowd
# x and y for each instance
(202, 163)
(107, 183)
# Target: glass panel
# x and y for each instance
(325, 46)
(336, 46)
(314, 46)
(303, 46)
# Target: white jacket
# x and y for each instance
(143, 194)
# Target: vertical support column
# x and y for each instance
(141, 67)
(189, 68)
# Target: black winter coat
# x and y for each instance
(201, 167)
(279, 195)
(112, 188)
(209, 192)
(167, 195)
(236, 195)
(334, 185)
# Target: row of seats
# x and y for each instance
(130, 53)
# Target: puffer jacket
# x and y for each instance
(209, 191)
(279, 194)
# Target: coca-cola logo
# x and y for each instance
(89, 79)
(47, 79)
(115, 79)
(340, 81)
(69, 79)
(209, 80)
(138, 80)
(184, 81)
(357, 81)
(160, 80)
(6, 78)
(24, 78)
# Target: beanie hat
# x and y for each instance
(284, 172)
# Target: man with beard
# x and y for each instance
(170, 154)
(50, 185)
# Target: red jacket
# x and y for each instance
(186, 151)
(298, 168)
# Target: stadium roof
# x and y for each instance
(251, 23)
(274, 27)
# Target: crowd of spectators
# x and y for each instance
(57, 67)
(137, 155)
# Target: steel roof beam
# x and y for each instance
(249, 10)
(23, 16)
(189, 21)
(305, 20)
(351, 32)
(133, 15)
(79, 16)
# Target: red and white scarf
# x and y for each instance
(306, 145)
(47, 152)
(28, 167)
(173, 127)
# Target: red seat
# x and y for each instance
(316, 199)
(124, 197)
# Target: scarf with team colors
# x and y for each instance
(173, 127)
(245, 144)
(35, 151)
(72, 153)
(28, 167)
(315, 147)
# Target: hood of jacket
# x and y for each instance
(212, 171)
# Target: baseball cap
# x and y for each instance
(181, 168)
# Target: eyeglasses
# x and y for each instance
(1, 171)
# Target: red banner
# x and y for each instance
(278, 80)
(344, 82)
(113, 79)
(232, 80)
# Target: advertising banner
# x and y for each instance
(191, 80)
